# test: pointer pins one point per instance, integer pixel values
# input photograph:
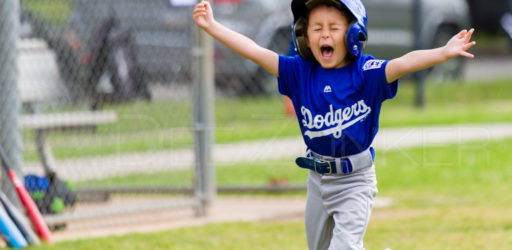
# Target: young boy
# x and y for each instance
(337, 94)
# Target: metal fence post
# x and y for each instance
(419, 76)
(203, 80)
(10, 104)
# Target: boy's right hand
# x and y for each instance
(203, 15)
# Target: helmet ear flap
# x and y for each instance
(299, 31)
(356, 40)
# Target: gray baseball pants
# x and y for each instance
(338, 209)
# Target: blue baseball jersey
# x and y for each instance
(338, 109)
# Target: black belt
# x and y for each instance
(337, 166)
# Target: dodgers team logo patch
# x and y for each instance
(373, 64)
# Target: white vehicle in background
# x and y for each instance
(396, 27)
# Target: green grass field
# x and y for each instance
(444, 197)
(56, 11)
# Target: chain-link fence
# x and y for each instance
(105, 101)
(102, 118)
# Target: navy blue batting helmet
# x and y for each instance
(357, 34)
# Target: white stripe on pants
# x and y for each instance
(338, 209)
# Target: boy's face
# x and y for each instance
(326, 31)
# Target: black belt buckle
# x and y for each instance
(326, 164)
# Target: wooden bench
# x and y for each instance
(40, 85)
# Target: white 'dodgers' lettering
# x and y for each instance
(340, 118)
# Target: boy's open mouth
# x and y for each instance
(327, 51)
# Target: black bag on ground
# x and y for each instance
(51, 194)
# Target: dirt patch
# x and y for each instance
(221, 210)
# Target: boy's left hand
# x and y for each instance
(459, 44)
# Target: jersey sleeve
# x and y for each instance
(288, 77)
(374, 75)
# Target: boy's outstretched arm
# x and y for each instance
(422, 59)
(240, 44)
